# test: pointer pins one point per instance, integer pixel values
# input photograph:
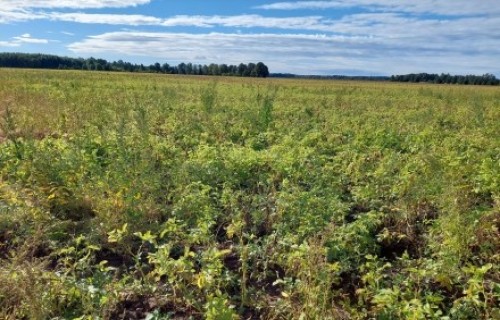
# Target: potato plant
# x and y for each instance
(136, 196)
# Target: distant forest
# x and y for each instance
(486, 79)
(44, 61)
(330, 77)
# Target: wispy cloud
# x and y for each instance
(9, 44)
(27, 38)
(297, 5)
(112, 19)
(241, 21)
(9, 16)
(70, 4)
(23, 39)
(246, 21)
(385, 25)
(382, 28)
(26, 10)
(442, 7)
(314, 23)
(308, 54)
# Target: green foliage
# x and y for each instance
(45, 61)
(486, 79)
(138, 197)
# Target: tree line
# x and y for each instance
(486, 79)
(45, 61)
(329, 77)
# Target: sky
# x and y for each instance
(355, 37)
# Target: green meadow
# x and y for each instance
(142, 196)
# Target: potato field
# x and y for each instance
(143, 196)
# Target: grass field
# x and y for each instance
(132, 196)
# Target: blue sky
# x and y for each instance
(355, 37)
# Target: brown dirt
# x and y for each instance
(407, 234)
(132, 306)
(487, 239)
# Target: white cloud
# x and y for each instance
(8, 16)
(70, 4)
(443, 7)
(297, 5)
(383, 29)
(23, 39)
(26, 10)
(314, 23)
(241, 21)
(27, 38)
(9, 44)
(385, 25)
(246, 21)
(300, 53)
(113, 19)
